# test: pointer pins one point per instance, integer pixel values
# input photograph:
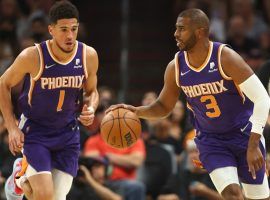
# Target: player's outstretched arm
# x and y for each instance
(236, 68)
(90, 88)
(26, 62)
(164, 103)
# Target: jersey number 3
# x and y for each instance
(61, 100)
(211, 105)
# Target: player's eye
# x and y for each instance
(181, 29)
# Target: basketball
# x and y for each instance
(120, 128)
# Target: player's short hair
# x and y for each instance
(63, 10)
(198, 18)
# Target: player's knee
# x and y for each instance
(43, 193)
(232, 192)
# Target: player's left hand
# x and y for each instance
(255, 158)
(87, 116)
(121, 105)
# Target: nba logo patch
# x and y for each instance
(77, 62)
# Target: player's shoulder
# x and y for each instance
(29, 57)
(227, 52)
(229, 56)
(90, 51)
(171, 65)
(91, 59)
(29, 53)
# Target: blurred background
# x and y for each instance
(134, 40)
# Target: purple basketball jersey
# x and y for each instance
(221, 114)
(216, 102)
(49, 104)
(51, 99)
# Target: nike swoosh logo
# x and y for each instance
(49, 66)
(184, 73)
(242, 129)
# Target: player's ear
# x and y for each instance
(199, 32)
(50, 28)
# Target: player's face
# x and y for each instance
(185, 34)
(64, 33)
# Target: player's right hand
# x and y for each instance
(255, 158)
(87, 116)
(16, 140)
(122, 105)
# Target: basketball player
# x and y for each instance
(54, 73)
(229, 104)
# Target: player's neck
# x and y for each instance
(198, 54)
(58, 53)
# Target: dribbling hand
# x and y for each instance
(87, 116)
(16, 140)
(125, 106)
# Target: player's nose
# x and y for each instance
(69, 35)
(176, 33)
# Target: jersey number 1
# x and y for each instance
(212, 107)
(61, 100)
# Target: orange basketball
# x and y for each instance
(120, 128)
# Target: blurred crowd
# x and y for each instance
(242, 24)
(161, 164)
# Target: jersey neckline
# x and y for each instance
(206, 61)
(56, 60)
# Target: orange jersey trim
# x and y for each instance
(176, 65)
(219, 63)
(30, 93)
(84, 61)
(55, 59)
(198, 69)
(189, 107)
(41, 62)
